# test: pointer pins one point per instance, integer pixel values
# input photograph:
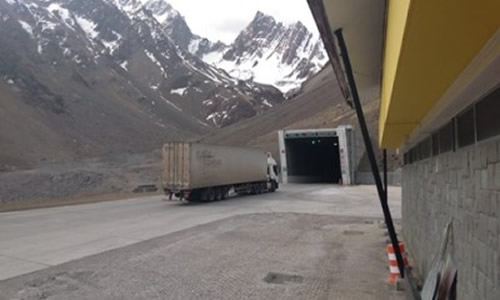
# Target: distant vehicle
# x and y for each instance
(200, 172)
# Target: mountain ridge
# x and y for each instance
(289, 52)
(84, 79)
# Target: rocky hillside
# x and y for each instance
(80, 79)
(63, 96)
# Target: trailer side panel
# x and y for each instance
(191, 165)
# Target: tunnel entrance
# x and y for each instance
(316, 155)
(313, 160)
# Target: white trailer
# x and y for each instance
(201, 172)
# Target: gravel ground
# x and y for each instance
(59, 183)
(255, 256)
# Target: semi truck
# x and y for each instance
(197, 172)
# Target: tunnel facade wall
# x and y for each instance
(346, 152)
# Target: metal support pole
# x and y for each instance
(384, 162)
(369, 150)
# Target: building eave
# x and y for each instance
(412, 51)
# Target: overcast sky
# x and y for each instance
(224, 19)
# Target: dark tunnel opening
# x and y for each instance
(313, 160)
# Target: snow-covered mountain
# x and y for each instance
(108, 52)
(133, 38)
(266, 51)
(85, 78)
(178, 30)
(269, 52)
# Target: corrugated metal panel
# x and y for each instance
(186, 164)
(176, 165)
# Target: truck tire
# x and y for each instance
(275, 186)
(263, 188)
(205, 195)
(212, 195)
(194, 196)
(219, 194)
(225, 191)
(255, 189)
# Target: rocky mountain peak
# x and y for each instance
(261, 27)
(129, 6)
(262, 18)
(299, 25)
(172, 21)
(161, 10)
(268, 51)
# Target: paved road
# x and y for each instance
(37, 239)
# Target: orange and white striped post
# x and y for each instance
(394, 274)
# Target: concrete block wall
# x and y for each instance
(463, 186)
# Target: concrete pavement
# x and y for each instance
(36, 239)
(251, 256)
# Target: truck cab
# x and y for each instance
(272, 173)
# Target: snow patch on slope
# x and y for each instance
(63, 13)
(179, 91)
(113, 45)
(88, 27)
(27, 27)
(194, 45)
(156, 62)
(124, 65)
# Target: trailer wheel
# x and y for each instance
(212, 195)
(204, 195)
(254, 189)
(224, 192)
(208, 195)
(262, 188)
(218, 194)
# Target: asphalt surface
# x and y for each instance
(279, 245)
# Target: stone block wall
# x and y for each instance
(463, 186)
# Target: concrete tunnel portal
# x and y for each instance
(316, 155)
(314, 159)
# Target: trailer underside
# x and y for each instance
(217, 193)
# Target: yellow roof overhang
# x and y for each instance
(427, 44)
